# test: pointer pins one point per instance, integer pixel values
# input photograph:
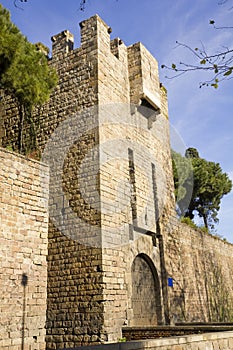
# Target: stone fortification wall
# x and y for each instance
(23, 242)
(201, 266)
(113, 239)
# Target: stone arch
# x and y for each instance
(146, 295)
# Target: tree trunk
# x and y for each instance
(1, 120)
(21, 127)
(205, 220)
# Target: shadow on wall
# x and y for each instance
(219, 299)
(24, 282)
(215, 302)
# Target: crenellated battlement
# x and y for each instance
(62, 42)
(140, 68)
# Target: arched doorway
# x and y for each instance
(146, 297)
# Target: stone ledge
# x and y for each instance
(141, 333)
(181, 343)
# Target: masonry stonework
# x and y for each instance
(201, 266)
(113, 237)
(24, 245)
(90, 283)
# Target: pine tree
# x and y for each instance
(210, 184)
(24, 71)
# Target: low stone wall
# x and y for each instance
(210, 341)
(23, 242)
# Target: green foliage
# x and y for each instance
(191, 153)
(186, 220)
(215, 85)
(10, 40)
(229, 72)
(216, 71)
(210, 184)
(122, 340)
(203, 61)
(189, 222)
(29, 76)
(24, 71)
(9, 148)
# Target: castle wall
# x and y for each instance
(201, 267)
(105, 135)
(23, 242)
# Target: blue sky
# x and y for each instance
(202, 117)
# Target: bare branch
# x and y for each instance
(223, 27)
(223, 2)
(82, 5)
(18, 7)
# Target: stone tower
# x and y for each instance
(109, 154)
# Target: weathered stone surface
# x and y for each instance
(23, 242)
(111, 199)
(201, 266)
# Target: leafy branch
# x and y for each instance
(221, 64)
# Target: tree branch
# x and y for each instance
(221, 64)
(82, 5)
